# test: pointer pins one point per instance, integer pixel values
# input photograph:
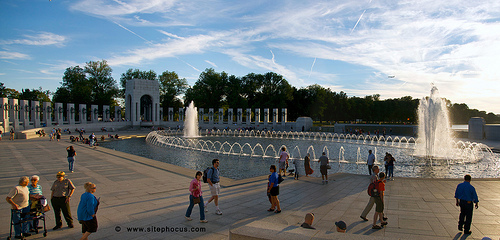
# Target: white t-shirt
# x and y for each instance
(283, 156)
(20, 196)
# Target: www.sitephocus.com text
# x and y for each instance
(165, 229)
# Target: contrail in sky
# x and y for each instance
(311, 68)
(358, 20)
(273, 56)
(189, 65)
(132, 32)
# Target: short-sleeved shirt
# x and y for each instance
(213, 175)
(20, 196)
(35, 190)
(381, 187)
(323, 160)
(283, 156)
(63, 188)
(71, 153)
(465, 191)
(273, 178)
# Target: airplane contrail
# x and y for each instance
(133, 32)
(273, 56)
(358, 21)
(311, 68)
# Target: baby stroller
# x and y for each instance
(37, 213)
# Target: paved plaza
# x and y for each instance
(146, 199)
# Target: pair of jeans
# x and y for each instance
(19, 219)
(391, 171)
(191, 205)
(71, 161)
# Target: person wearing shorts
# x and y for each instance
(273, 190)
(323, 168)
(379, 202)
(283, 161)
(87, 209)
(213, 183)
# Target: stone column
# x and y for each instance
(105, 113)
(211, 116)
(35, 113)
(83, 113)
(230, 116)
(283, 116)
(181, 114)
(221, 115)
(118, 114)
(94, 115)
(14, 113)
(25, 113)
(476, 128)
(59, 113)
(249, 116)
(275, 115)
(4, 115)
(201, 111)
(239, 115)
(266, 116)
(257, 116)
(47, 113)
(70, 108)
(170, 115)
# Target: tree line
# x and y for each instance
(93, 84)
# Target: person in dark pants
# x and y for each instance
(62, 189)
(370, 161)
(466, 196)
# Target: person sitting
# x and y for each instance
(308, 221)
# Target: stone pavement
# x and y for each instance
(146, 199)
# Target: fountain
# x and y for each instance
(434, 134)
(191, 122)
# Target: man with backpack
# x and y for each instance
(212, 178)
(369, 206)
(378, 194)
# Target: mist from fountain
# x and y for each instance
(191, 122)
(434, 131)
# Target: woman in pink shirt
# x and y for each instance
(196, 198)
(283, 161)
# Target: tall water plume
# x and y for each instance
(191, 121)
(434, 132)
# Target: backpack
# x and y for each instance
(373, 190)
(205, 174)
(280, 179)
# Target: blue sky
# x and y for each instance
(350, 46)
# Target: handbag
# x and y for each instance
(328, 166)
(196, 200)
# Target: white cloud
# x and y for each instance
(40, 39)
(13, 55)
(211, 63)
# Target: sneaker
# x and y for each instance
(188, 218)
(56, 227)
(203, 221)
(364, 218)
(218, 212)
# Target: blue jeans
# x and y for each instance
(19, 219)
(191, 205)
(391, 171)
(71, 161)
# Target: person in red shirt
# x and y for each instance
(379, 201)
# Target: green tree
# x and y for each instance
(135, 73)
(102, 83)
(2, 90)
(171, 87)
(208, 91)
(35, 95)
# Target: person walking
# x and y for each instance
(195, 197)
(466, 197)
(71, 157)
(379, 201)
(18, 198)
(323, 168)
(370, 161)
(62, 189)
(369, 206)
(386, 163)
(273, 189)
(283, 161)
(213, 180)
(12, 134)
(87, 210)
(307, 165)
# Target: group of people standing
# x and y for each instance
(26, 197)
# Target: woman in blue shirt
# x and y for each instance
(273, 189)
(87, 209)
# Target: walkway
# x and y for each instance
(138, 193)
